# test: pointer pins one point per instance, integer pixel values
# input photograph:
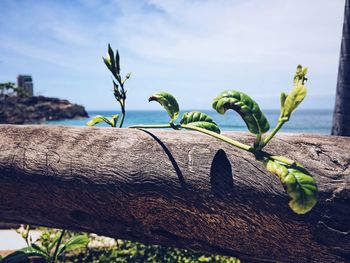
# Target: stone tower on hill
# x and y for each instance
(26, 82)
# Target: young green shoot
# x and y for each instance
(113, 64)
(289, 102)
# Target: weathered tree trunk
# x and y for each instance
(341, 115)
(174, 188)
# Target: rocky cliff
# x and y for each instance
(38, 109)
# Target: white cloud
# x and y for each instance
(184, 46)
(246, 32)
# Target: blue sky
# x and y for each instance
(192, 48)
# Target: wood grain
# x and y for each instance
(180, 189)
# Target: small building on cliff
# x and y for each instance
(26, 83)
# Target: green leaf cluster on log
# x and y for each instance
(48, 252)
(298, 183)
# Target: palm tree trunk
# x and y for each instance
(341, 115)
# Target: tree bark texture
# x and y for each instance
(176, 188)
(341, 115)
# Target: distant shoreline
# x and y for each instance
(303, 121)
(38, 109)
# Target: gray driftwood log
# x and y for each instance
(178, 189)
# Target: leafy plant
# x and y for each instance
(129, 251)
(113, 64)
(297, 181)
(49, 247)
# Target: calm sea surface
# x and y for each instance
(302, 121)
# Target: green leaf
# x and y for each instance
(298, 183)
(22, 255)
(246, 107)
(75, 242)
(114, 120)
(199, 119)
(98, 119)
(117, 62)
(169, 102)
(304, 71)
(107, 62)
(39, 248)
(111, 58)
(283, 99)
(293, 100)
(303, 190)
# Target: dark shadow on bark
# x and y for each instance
(170, 156)
(221, 179)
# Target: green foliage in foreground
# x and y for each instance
(50, 246)
(136, 252)
(77, 247)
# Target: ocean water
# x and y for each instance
(302, 121)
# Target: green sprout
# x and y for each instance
(297, 181)
(289, 102)
(113, 64)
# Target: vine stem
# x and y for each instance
(150, 126)
(57, 246)
(220, 137)
(207, 132)
(122, 101)
(273, 133)
(27, 237)
(122, 105)
(257, 140)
